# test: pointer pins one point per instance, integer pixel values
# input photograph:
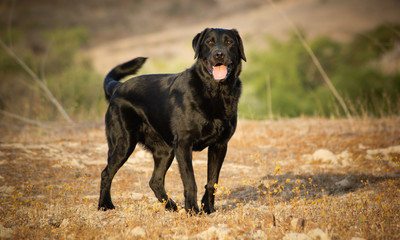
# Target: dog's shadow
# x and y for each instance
(288, 187)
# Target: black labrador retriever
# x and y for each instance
(175, 114)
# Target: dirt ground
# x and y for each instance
(298, 178)
(304, 178)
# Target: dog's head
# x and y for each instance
(220, 51)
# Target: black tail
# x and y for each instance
(112, 79)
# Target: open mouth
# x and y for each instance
(219, 71)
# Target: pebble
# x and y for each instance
(317, 233)
(138, 232)
(297, 224)
(296, 236)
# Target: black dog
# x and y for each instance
(175, 114)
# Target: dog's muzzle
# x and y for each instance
(219, 66)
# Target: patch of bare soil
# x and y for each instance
(299, 178)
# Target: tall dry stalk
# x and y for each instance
(36, 78)
(315, 60)
(270, 114)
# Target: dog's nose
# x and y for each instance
(219, 55)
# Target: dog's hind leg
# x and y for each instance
(163, 158)
(121, 130)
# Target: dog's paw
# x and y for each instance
(171, 205)
(208, 211)
(106, 206)
(193, 211)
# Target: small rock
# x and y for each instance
(296, 236)
(220, 232)
(297, 224)
(345, 158)
(325, 156)
(259, 235)
(5, 232)
(138, 232)
(317, 233)
(362, 146)
(64, 223)
(345, 183)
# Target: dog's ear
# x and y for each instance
(240, 43)
(198, 40)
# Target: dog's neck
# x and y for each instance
(224, 94)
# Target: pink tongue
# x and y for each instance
(219, 72)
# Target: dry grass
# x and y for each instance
(272, 185)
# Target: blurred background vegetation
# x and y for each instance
(362, 71)
(61, 65)
(279, 80)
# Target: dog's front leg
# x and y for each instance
(183, 152)
(216, 156)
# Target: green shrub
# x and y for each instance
(297, 87)
(56, 57)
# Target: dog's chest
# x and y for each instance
(213, 128)
(211, 132)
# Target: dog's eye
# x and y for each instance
(210, 42)
(228, 42)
